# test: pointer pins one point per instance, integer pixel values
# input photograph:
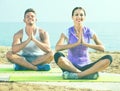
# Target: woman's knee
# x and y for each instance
(57, 56)
(107, 59)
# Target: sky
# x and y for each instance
(60, 10)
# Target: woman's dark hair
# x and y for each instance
(78, 8)
(29, 10)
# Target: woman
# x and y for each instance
(77, 64)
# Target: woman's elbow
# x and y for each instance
(57, 48)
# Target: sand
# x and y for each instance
(49, 86)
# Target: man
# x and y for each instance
(31, 46)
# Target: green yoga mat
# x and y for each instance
(54, 75)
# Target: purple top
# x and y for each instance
(79, 54)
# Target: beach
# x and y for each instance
(41, 86)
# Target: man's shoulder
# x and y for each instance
(41, 30)
(19, 32)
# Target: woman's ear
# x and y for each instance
(72, 17)
(84, 18)
(23, 20)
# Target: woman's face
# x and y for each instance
(78, 16)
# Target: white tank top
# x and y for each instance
(31, 48)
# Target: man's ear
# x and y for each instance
(36, 19)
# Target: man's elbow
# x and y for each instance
(102, 49)
(14, 51)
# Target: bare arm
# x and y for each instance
(17, 45)
(44, 44)
(97, 46)
(61, 46)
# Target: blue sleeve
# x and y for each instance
(66, 33)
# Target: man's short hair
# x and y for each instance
(29, 10)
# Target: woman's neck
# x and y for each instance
(78, 27)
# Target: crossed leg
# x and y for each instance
(99, 66)
(65, 64)
(17, 59)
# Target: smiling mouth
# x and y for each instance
(30, 20)
(78, 20)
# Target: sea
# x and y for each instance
(107, 32)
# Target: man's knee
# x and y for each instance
(8, 54)
(51, 56)
(51, 53)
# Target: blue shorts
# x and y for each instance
(30, 58)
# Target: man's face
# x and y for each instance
(30, 18)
